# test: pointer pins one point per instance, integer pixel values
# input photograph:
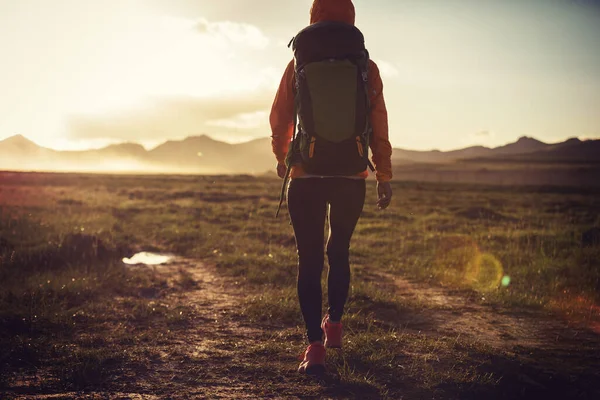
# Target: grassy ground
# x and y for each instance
(75, 319)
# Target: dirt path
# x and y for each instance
(198, 362)
(544, 345)
(210, 358)
(453, 314)
(211, 346)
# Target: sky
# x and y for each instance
(78, 74)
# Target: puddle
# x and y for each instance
(147, 258)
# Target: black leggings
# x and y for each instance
(308, 199)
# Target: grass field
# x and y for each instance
(458, 291)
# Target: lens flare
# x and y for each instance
(461, 262)
(488, 273)
(455, 256)
(505, 281)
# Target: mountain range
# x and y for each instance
(204, 155)
(525, 149)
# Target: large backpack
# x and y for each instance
(331, 104)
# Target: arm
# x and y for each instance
(380, 144)
(282, 115)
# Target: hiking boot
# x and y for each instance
(333, 333)
(314, 360)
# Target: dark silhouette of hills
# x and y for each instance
(437, 156)
(523, 150)
(523, 145)
(203, 154)
(573, 151)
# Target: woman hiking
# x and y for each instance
(333, 93)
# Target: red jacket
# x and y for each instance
(282, 112)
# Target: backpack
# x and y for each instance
(331, 106)
(331, 102)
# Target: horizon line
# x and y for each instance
(580, 138)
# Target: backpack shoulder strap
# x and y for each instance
(368, 128)
(289, 160)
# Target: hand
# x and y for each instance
(281, 170)
(384, 195)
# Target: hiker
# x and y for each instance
(332, 92)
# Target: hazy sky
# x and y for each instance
(85, 73)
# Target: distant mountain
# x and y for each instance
(203, 154)
(199, 150)
(124, 149)
(195, 154)
(572, 151)
(521, 146)
(19, 144)
(203, 151)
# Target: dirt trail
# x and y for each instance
(508, 330)
(200, 361)
(214, 340)
(204, 361)
(548, 341)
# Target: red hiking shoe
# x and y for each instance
(314, 360)
(333, 333)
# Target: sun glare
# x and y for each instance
(167, 57)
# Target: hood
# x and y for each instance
(332, 10)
